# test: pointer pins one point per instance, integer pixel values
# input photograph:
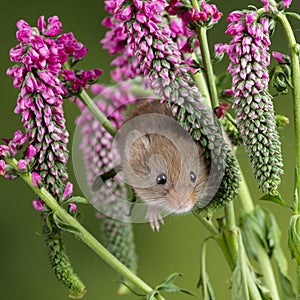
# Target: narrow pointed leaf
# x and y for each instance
(276, 199)
(77, 199)
(293, 15)
(239, 277)
(64, 226)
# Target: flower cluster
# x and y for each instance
(99, 157)
(248, 52)
(40, 56)
(208, 14)
(144, 36)
(272, 6)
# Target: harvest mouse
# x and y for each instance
(160, 160)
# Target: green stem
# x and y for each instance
(210, 226)
(201, 84)
(262, 257)
(83, 234)
(100, 117)
(202, 36)
(245, 196)
(230, 231)
(298, 281)
(296, 96)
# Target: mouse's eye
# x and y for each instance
(192, 176)
(161, 178)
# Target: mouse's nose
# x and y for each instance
(185, 205)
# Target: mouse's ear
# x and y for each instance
(136, 140)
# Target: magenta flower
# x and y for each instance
(281, 58)
(266, 5)
(73, 207)
(4, 151)
(22, 164)
(38, 205)
(2, 167)
(36, 179)
(30, 152)
(287, 3)
(68, 191)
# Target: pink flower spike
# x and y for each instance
(72, 207)
(2, 167)
(38, 204)
(22, 164)
(31, 152)
(281, 58)
(287, 3)
(36, 179)
(68, 190)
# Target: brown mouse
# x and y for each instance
(161, 161)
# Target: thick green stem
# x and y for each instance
(298, 281)
(201, 83)
(83, 234)
(202, 36)
(92, 107)
(294, 54)
(296, 96)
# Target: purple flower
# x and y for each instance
(19, 139)
(287, 3)
(4, 151)
(68, 191)
(73, 207)
(31, 152)
(281, 58)
(36, 179)
(39, 205)
(2, 167)
(22, 164)
(266, 5)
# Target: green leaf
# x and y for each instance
(204, 282)
(274, 236)
(239, 277)
(62, 225)
(294, 238)
(293, 15)
(76, 199)
(276, 199)
(261, 223)
(169, 286)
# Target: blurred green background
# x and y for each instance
(25, 272)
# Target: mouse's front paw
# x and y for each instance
(154, 217)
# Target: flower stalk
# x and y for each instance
(92, 107)
(294, 55)
(81, 232)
